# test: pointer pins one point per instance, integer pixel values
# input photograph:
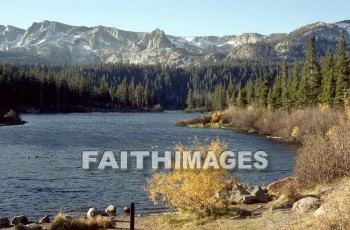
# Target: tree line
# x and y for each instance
(284, 85)
(112, 87)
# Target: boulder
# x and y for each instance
(306, 204)
(4, 222)
(260, 194)
(127, 210)
(111, 210)
(237, 196)
(44, 220)
(249, 199)
(19, 220)
(321, 211)
(326, 192)
(248, 194)
(275, 187)
(31, 226)
(95, 212)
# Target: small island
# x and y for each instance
(10, 117)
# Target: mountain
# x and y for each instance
(54, 42)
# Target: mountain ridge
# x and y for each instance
(57, 43)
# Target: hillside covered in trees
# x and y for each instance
(115, 87)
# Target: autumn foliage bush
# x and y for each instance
(291, 125)
(192, 190)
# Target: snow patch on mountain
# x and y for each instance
(345, 25)
(60, 43)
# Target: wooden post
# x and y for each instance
(132, 216)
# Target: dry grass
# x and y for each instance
(335, 210)
(65, 222)
(200, 121)
(324, 158)
(292, 125)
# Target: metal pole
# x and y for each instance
(132, 216)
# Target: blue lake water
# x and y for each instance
(55, 181)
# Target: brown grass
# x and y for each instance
(65, 222)
(290, 126)
(335, 210)
(324, 158)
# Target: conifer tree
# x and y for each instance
(241, 98)
(230, 93)
(189, 99)
(264, 91)
(341, 74)
(286, 88)
(311, 77)
(328, 80)
(294, 85)
(250, 94)
(275, 95)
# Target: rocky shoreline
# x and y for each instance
(248, 200)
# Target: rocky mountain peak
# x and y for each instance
(158, 39)
(55, 42)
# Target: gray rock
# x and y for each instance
(321, 211)
(250, 199)
(127, 210)
(237, 196)
(247, 194)
(4, 222)
(19, 220)
(31, 226)
(326, 191)
(306, 204)
(111, 210)
(275, 187)
(95, 212)
(260, 194)
(44, 220)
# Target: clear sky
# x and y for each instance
(178, 17)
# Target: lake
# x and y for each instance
(55, 180)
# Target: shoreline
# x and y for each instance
(31, 110)
(182, 123)
(13, 123)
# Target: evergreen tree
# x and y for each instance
(250, 94)
(311, 75)
(264, 91)
(275, 95)
(230, 93)
(219, 98)
(241, 98)
(189, 99)
(103, 90)
(286, 88)
(341, 74)
(328, 80)
(294, 85)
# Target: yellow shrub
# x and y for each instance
(192, 190)
(296, 131)
(215, 117)
(331, 131)
(323, 107)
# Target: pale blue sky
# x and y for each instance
(178, 17)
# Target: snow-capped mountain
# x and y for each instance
(54, 42)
